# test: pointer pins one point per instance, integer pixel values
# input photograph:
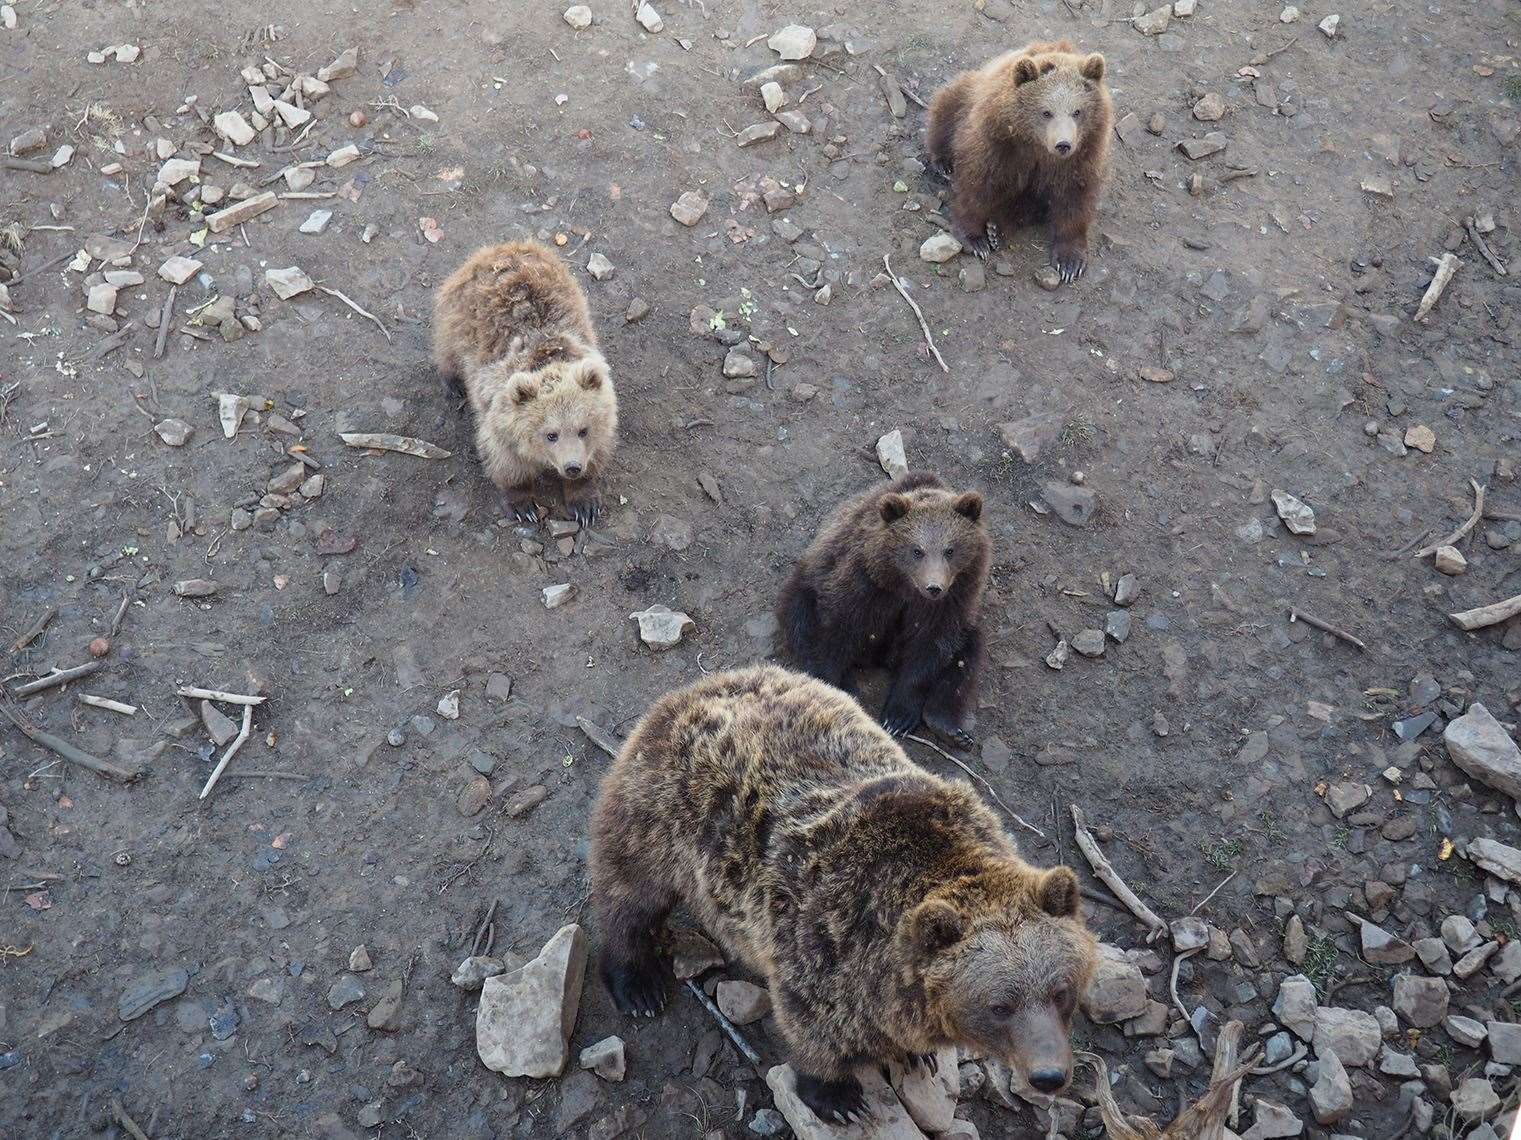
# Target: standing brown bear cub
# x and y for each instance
(894, 579)
(887, 909)
(512, 328)
(1025, 139)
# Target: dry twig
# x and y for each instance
(1492, 614)
(35, 632)
(1014, 815)
(59, 677)
(62, 747)
(730, 1031)
(1296, 614)
(1106, 874)
(918, 312)
(1473, 521)
(218, 695)
(1483, 247)
(232, 750)
(1447, 265)
(350, 303)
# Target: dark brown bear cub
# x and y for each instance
(887, 909)
(894, 579)
(1025, 139)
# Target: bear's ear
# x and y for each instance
(1025, 72)
(935, 925)
(522, 388)
(893, 507)
(592, 377)
(1060, 895)
(970, 505)
(1093, 67)
(1048, 67)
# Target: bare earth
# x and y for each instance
(1207, 743)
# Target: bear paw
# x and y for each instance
(930, 1061)
(900, 721)
(523, 511)
(1070, 261)
(951, 730)
(843, 1101)
(585, 511)
(637, 988)
(979, 245)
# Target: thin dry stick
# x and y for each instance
(366, 315)
(232, 750)
(1296, 614)
(126, 1121)
(1300, 1053)
(1200, 905)
(918, 312)
(59, 677)
(1014, 815)
(121, 612)
(1483, 247)
(1172, 988)
(1473, 521)
(1446, 267)
(1106, 874)
(218, 695)
(35, 632)
(730, 1031)
(1492, 614)
(107, 703)
(598, 736)
(165, 319)
(62, 747)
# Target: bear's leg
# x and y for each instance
(903, 711)
(1070, 219)
(841, 1100)
(972, 205)
(630, 961)
(582, 501)
(520, 505)
(945, 705)
(816, 651)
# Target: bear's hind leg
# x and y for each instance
(630, 962)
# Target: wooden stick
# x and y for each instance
(1227, 1051)
(1106, 874)
(730, 1031)
(35, 632)
(366, 315)
(121, 612)
(1446, 267)
(1483, 247)
(218, 695)
(1296, 614)
(598, 736)
(107, 703)
(30, 165)
(1200, 905)
(1492, 614)
(1014, 815)
(126, 1121)
(918, 312)
(232, 750)
(1473, 521)
(165, 319)
(62, 747)
(59, 677)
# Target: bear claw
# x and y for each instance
(524, 512)
(637, 990)
(586, 511)
(843, 1101)
(899, 722)
(1069, 263)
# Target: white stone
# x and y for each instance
(648, 18)
(291, 115)
(891, 456)
(316, 221)
(1478, 743)
(557, 596)
(1330, 25)
(176, 433)
(1155, 22)
(1273, 1122)
(1496, 858)
(230, 411)
(176, 170)
(1183, 8)
(1288, 15)
(661, 627)
(793, 42)
(1504, 1041)
(448, 705)
(1466, 1031)
(525, 1019)
(938, 248)
(1331, 1095)
(7, 17)
(61, 156)
(690, 207)
(889, 1119)
(343, 156)
(599, 267)
(1297, 516)
(472, 973)
(607, 1058)
(1352, 1034)
(341, 68)
(1296, 1005)
(422, 114)
(101, 299)
(1475, 1099)
(233, 127)
(773, 96)
(177, 270)
(288, 282)
(1450, 560)
(122, 278)
(578, 16)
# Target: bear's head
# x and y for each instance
(1060, 99)
(931, 538)
(563, 416)
(1004, 960)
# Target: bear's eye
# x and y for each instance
(918, 553)
(552, 436)
(1078, 114)
(1001, 1011)
(582, 433)
(1046, 114)
(950, 550)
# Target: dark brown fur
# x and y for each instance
(887, 909)
(987, 128)
(512, 329)
(857, 598)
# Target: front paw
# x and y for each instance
(842, 1102)
(930, 1061)
(1070, 261)
(951, 730)
(899, 720)
(978, 244)
(585, 511)
(637, 988)
(523, 510)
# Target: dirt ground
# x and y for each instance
(1281, 299)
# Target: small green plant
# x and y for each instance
(1320, 962)
(1079, 429)
(1340, 839)
(1270, 829)
(1222, 855)
(1513, 87)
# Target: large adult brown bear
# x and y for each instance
(887, 909)
(1025, 139)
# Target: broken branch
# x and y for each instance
(366, 315)
(385, 441)
(918, 312)
(218, 695)
(730, 1031)
(59, 677)
(1446, 267)
(1483, 247)
(62, 747)
(35, 632)
(232, 750)
(1492, 614)
(1104, 871)
(1473, 521)
(1296, 614)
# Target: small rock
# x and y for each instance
(343, 156)
(693, 954)
(1421, 1002)
(344, 66)
(743, 1002)
(1155, 22)
(599, 267)
(938, 248)
(891, 456)
(195, 588)
(1126, 590)
(974, 276)
(1331, 1095)
(220, 727)
(660, 627)
(1352, 1034)
(1089, 642)
(1210, 109)
(176, 433)
(1296, 1005)
(1450, 560)
(1117, 625)
(1475, 1098)
(578, 16)
(149, 990)
(738, 364)
(793, 42)
(1433, 955)
(101, 299)
(288, 282)
(1030, 436)
(1154, 375)
(1330, 25)
(472, 973)
(526, 1017)
(233, 127)
(345, 991)
(1273, 1122)
(448, 705)
(889, 1120)
(758, 132)
(316, 221)
(1048, 277)
(1117, 991)
(359, 959)
(1475, 960)
(1058, 657)
(557, 596)
(1479, 745)
(1465, 1030)
(1288, 15)
(1298, 517)
(1380, 948)
(1504, 1041)
(1347, 796)
(1075, 506)
(690, 207)
(1459, 934)
(773, 97)
(1295, 940)
(474, 796)
(177, 270)
(606, 1058)
(1420, 437)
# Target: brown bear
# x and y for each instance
(1025, 139)
(887, 909)
(512, 327)
(894, 579)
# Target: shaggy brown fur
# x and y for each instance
(894, 579)
(512, 327)
(887, 909)
(1026, 139)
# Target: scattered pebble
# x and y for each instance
(891, 456)
(578, 16)
(599, 267)
(1297, 516)
(793, 42)
(661, 627)
(690, 207)
(938, 248)
(557, 596)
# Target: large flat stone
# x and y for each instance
(523, 1025)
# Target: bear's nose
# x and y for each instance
(1064, 147)
(935, 590)
(1049, 1080)
(572, 469)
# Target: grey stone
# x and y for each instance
(794, 42)
(1496, 858)
(1331, 1095)
(1352, 1034)
(606, 1058)
(525, 1019)
(1380, 948)
(661, 627)
(889, 1119)
(1459, 934)
(1466, 1031)
(1117, 991)
(1475, 1099)
(743, 1002)
(1504, 1042)
(345, 991)
(148, 990)
(1028, 437)
(1434, 956)
(1480, 746)
(1074, 505)
(471, 974)
(1296, 515)
(1296, 1005)
(1421, 1002)
(1117, 625)
(1089, 642)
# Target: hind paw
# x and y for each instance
(637, 988)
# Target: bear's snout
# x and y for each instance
(1064, 148)
(1050, 1080)
(573, 470)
